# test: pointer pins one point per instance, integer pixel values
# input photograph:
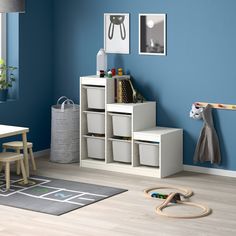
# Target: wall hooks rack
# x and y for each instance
(217, 105)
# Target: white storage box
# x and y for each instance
(121, 124)
(148, 153)
(95, 97)
(95, 147)
(95, 122)
(121, 150)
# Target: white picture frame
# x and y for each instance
(152, 34)
(116, 33)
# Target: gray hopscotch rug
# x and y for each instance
(52, 196)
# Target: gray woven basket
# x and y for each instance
(65, 132)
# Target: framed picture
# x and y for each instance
(152, 34)
(116, 33)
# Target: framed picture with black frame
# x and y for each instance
(152, 34)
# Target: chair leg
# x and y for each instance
(7, 175)
(26, 160)
(18, 167)
(4, 150)
(23, 171)
(32, 158)
(18, 164)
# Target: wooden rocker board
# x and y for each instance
(184, 192)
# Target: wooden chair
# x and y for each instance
(17, 146)
(7, 158)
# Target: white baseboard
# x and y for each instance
(41, 153)
(211, 171)
(197, 169)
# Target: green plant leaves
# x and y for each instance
(7, 76)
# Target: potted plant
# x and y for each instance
(7, 77)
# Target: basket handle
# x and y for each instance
(62, 97)
(67, 101)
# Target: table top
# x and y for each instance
(7, 130)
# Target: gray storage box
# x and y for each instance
(121, 124)
(95, 97)
(95, 147)
(95, 122)
(121, 150)
(148, 153)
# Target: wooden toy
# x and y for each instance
(120, 71)
(113, 71)
(109, 74)
(175, 197)
(102, 73)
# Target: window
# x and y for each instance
(9, 47)
(3, 36)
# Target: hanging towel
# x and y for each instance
(208, 148)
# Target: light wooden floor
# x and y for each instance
(128, 213)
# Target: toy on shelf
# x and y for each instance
(120, 71)
(102, 73)
(113, 71)
(109, 74)
(101, 61)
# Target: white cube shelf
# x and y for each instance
(95, 122)
(121, 150)
(170, 148)
(121, 124)
(95, 147)
(95, 93)
(95, 97)
(148, 153)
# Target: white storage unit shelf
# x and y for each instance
(121, 124)
(95, 122)
(95, 93)
(121, 150)
(134, 120)
(95, 147)
(95, 97)
(170, 151)
(148, 153)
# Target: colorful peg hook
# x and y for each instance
(221, 106)
(216, 105)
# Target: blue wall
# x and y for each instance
(199, 66)
(32, 109)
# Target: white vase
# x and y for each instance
(101, 61)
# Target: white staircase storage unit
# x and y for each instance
(127, 125)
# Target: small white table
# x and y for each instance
(7, 131)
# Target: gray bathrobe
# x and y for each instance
(208, 148)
